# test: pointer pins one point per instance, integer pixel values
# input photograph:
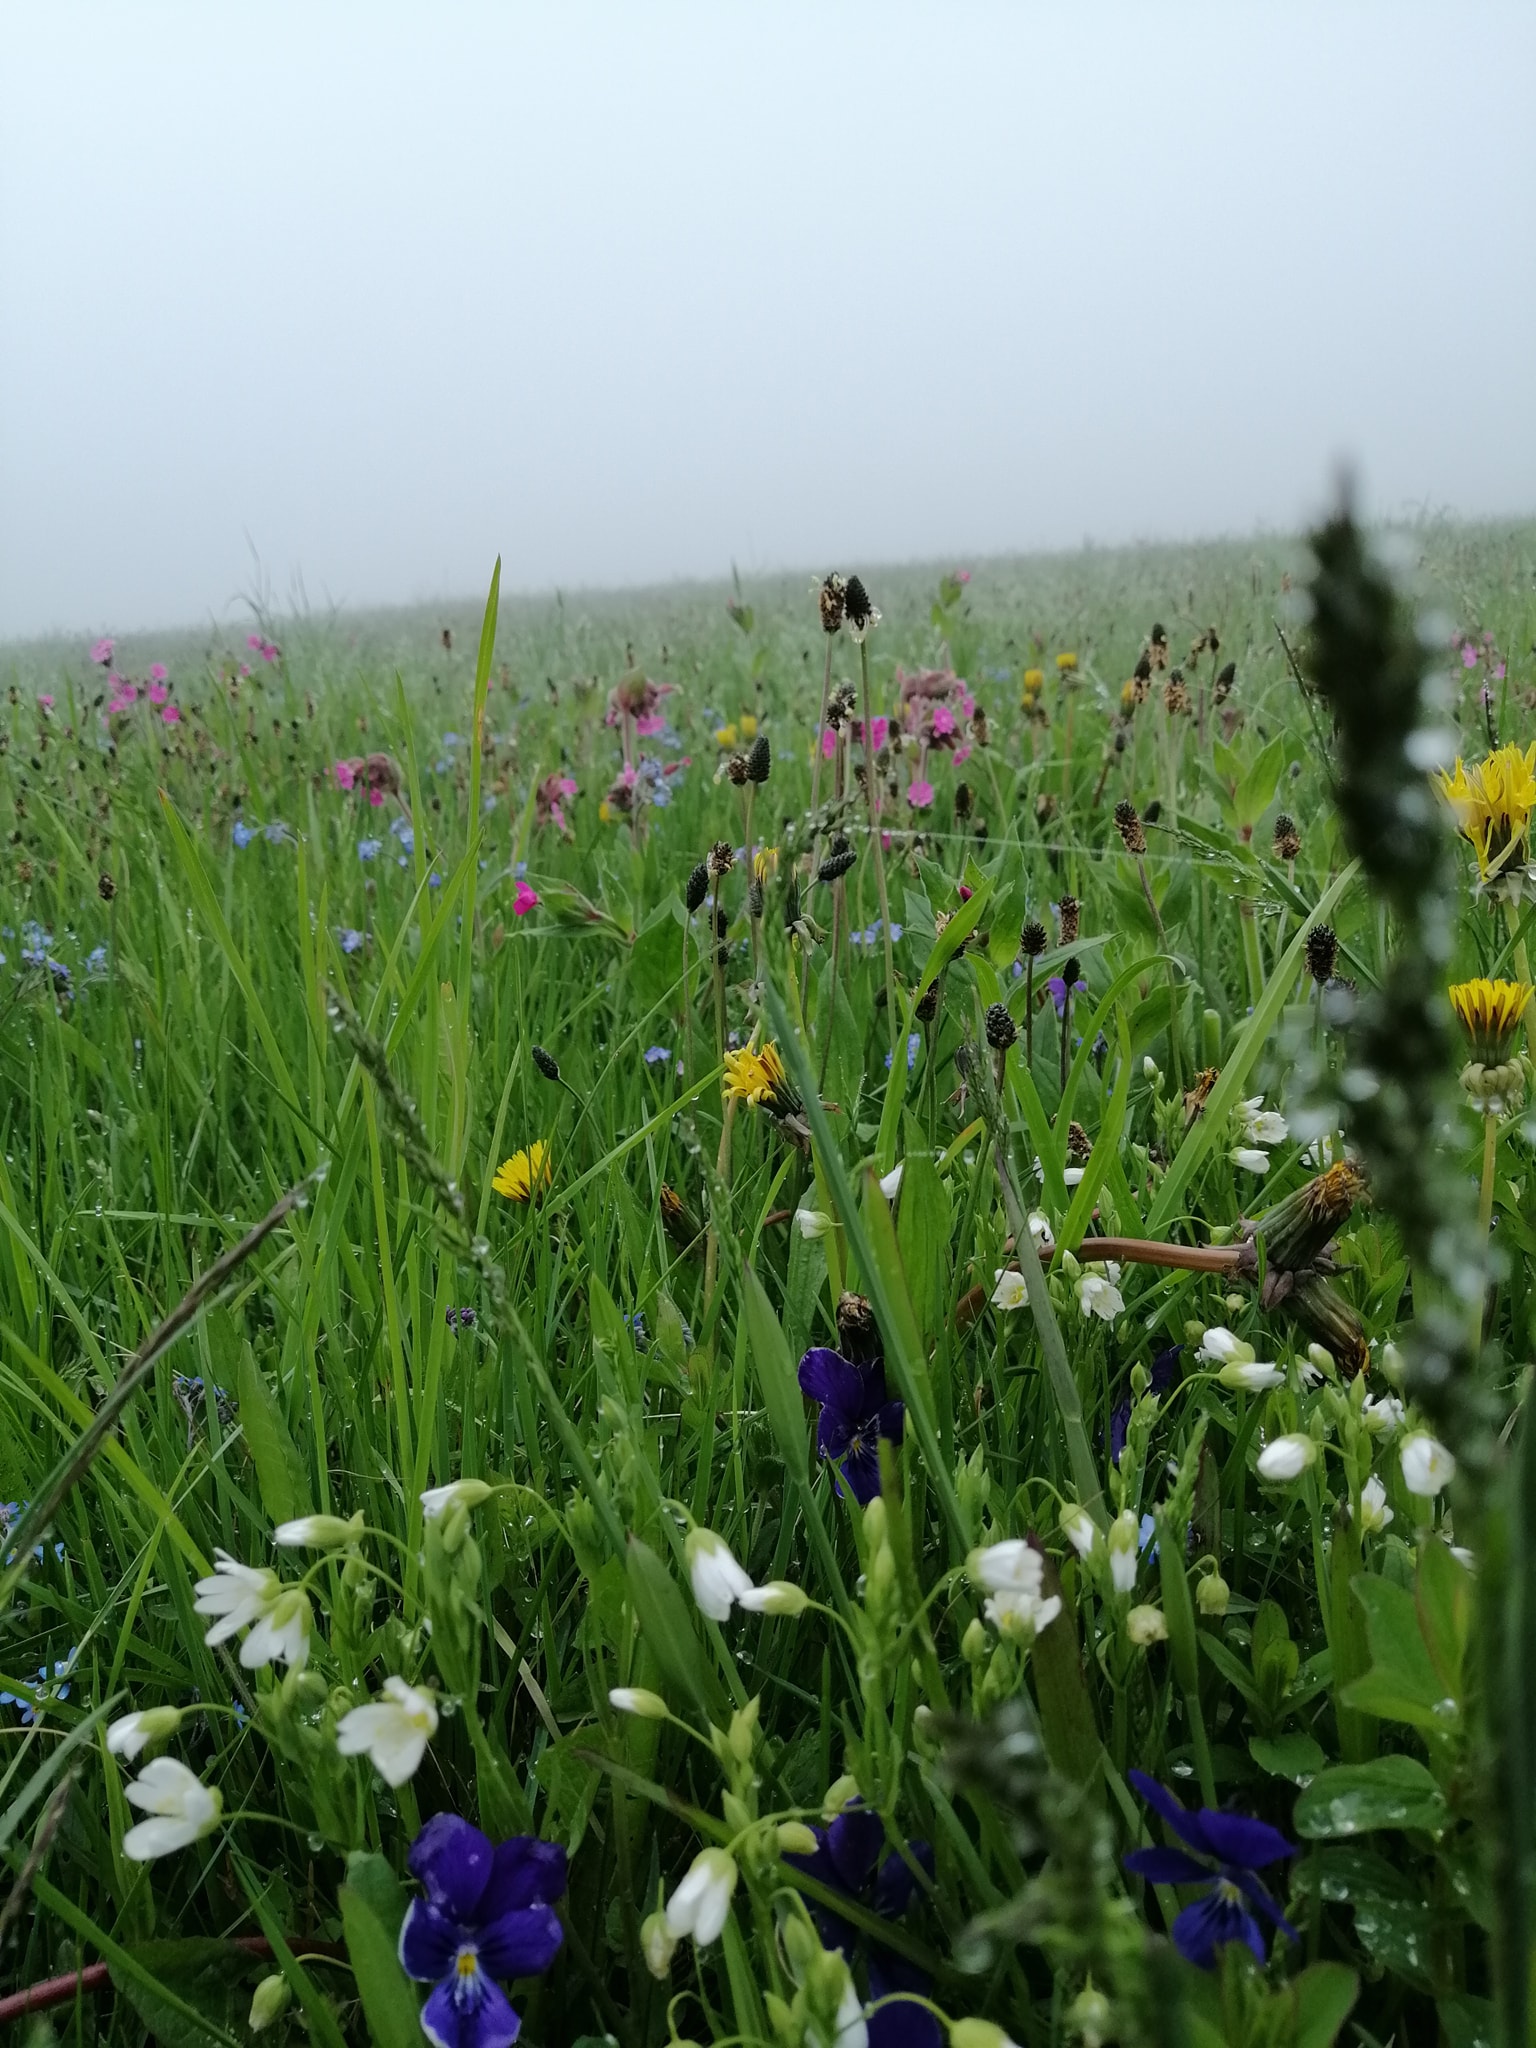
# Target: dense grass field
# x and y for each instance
(677, 1422)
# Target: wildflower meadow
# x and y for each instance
(789, 1316)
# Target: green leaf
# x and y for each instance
(1467, 2021)
(1443, 1594)
(1297, 1756)
(1256, 791)
(667, 1627)
(775, 1368)
(922, 1238)
(1209, 1130)
(1392, 1792)
(375, 1882)
(214, 1978)
(389, 2002)
(280, 1472)
(1402, 1683)
(1323, 1996)
(656, 959)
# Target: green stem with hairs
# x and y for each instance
(893, 1012)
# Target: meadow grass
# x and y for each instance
(230, 975)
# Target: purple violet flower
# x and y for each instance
(1058, 989)
(1228, 1848)
(855, 1414)
(1165, 1373)
(847, 1860)
(486, 1915)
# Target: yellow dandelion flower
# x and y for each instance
(765, 863)
(1034, 679)
(605, 812)
(524, 1177)
(1491, 1012)
(727, 735)
(757, 1076)
(748, 726)
(1066, 662)
(1492, 802)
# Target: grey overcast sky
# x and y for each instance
(365, 294)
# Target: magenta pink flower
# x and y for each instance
(375, 796)
(46, 702)
(567, 786)
(1469, 655)
(920, 794)
(649, 723)
(345, 773)
(1498, 671)
(962, 575)
(828, 744)
(270, 650)
(255, 640)
(943, 720)
(963, 753)
(524, 900)
(158, 693)
(879, 731)
(102, 651)
(245, 669)
(159, 673)
(171, 715)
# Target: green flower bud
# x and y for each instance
(1212, 1595)
(796, 1839)
(270, 2000)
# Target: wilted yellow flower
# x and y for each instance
(765, 863)
(524, 1176)
(727, 735)
(1130, 696)
(1492, 802)
(1490, 1013)
(1066, 662)
(758, 1077)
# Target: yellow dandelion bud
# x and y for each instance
(1491, 1012)
(1066, 662)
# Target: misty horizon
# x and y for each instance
(295, 308)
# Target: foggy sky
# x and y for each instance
(366, 294)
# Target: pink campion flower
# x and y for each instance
(962, 575)
(943, 720)
(255, 641)
(524, 900)
(920, 794)
(879, 729)
(46, 702)
(828, 743)
(245, 670)
(1469, 655)
(967, 702)
(270, 650)
(158, 693)
(158, 672)
(375, 796)
(345, 773)
(1497, 671)
(649, 723)
(102, 652)
(962, 753)
(171, 715)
